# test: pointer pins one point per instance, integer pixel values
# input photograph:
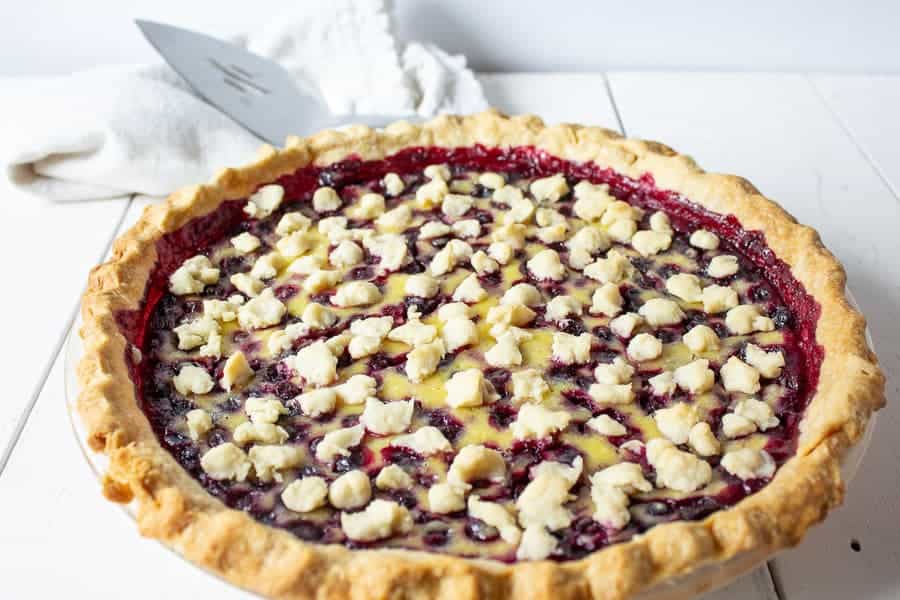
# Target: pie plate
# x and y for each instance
(386, 370)
(699, 581)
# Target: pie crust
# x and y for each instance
(174, 508)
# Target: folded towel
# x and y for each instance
(113, 131)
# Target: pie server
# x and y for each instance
(257, 93)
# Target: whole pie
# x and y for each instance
(476, 358)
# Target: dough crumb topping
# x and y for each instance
(474, 362)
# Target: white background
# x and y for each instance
(52, 36)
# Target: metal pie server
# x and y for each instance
(257, 93)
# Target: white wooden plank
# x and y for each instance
(61, 538)
(776, 131)
(48, 250)
(556, 97)
(867, 108)
(71, 527)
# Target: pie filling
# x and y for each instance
(482, 352)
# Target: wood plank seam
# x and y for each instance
(853, 139)
(612, 101)
(775, 578)
(56, 349)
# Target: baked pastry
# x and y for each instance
(478, 358)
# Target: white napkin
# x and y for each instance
(113, 131)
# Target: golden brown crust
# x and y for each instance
(175, 509)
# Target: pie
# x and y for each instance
(476, 358)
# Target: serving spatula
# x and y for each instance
(257, 93)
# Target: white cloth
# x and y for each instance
(113, 131)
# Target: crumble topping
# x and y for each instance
(474, 362)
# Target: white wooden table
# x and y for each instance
(820, 145)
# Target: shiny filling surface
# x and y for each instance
(544, 450)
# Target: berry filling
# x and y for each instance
(599, 431)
